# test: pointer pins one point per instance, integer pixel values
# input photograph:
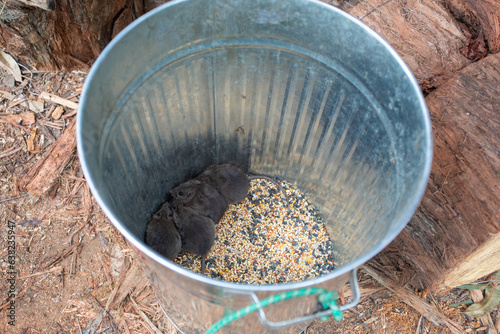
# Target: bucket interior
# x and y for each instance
(329, 108)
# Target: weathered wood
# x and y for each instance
(479, 16)
(47, 170)
(21, 119)
(44, 4)
(59, 100)
(454, 237)
(423, 32)
(71, 35)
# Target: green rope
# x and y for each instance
(327, 299)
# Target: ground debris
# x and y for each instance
(40, 179)
(424, 308)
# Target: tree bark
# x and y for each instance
(479, 17)
(62, 35)
(423, 32)
(454, 237)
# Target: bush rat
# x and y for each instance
(231, 182)
(202, 198)
(162, 234)
(198, 231)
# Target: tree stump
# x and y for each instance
(454, 237)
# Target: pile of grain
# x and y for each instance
(259, 241)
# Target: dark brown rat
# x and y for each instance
(162, 234)
(231, 182)
(202, 198)
(198, 231)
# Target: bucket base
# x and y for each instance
(295, 329)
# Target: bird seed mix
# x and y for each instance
(259, 241)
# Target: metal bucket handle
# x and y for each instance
(353, 283)
(277, 325)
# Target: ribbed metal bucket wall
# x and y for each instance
(269, 111)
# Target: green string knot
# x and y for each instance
(328, 300)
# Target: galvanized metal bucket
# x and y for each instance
(295, 89)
